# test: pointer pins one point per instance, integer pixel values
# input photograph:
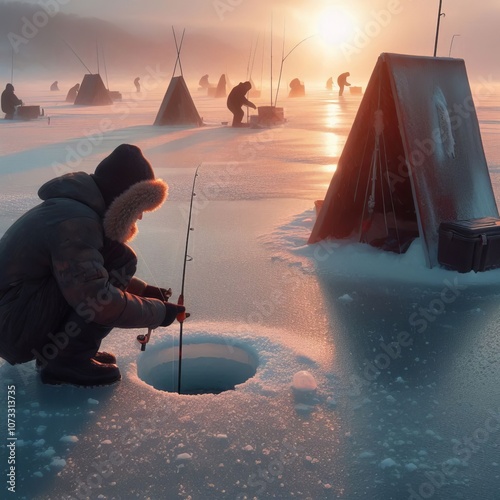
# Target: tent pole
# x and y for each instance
(178, 48)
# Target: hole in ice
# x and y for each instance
(206, 368)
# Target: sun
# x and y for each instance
(335, 25)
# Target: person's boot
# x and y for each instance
(103, 357)
(81, 372)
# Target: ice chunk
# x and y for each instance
(58, 462)
(331, 402)
(345, 298)
(387, 463)
(303, 408)
(303, 381)
(183, 457)
(69, 439)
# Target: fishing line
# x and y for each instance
(144, 339)
(187, 258)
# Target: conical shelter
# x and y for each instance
(92, 92)
(177, 107)
(413, 159)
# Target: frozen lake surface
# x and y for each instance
(401, 397)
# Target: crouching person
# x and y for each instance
(67, 273)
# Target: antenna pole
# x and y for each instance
(451, 43)
(437, 27)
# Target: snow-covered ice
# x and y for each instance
(402, 361)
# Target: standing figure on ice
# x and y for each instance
(137, 84)
(236, 99)
(67, 272)
(10, 102)
(342, 82)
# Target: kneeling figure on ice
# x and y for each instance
(67, 273)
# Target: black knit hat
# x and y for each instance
(123, 168)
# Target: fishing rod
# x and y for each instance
(283, 59)
(78, 57)
(187, 258)
(144, 339)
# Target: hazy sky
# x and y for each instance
(346, 35)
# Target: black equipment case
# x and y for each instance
(470, 245)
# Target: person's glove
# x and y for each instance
(171, 312)
(154, 292)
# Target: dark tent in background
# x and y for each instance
(413, 159)
(177, 107)
(92, 92)
(220, 90)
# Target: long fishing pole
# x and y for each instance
(182, 316)
(97, 56)
(105, 68)
(78, 57)
(283, 59)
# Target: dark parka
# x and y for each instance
(9, 100)
(51, 261)
(236, 98)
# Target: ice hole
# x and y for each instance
(206, 368)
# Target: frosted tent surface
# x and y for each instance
(423, 421)
(420, 163)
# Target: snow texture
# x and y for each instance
(402, 361)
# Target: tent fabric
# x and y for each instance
(92, 92)
(177, 107)
(221, 90)
(413, 159)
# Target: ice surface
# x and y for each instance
(405, 358)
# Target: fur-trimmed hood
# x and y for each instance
(123, 213)
(119, 220)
